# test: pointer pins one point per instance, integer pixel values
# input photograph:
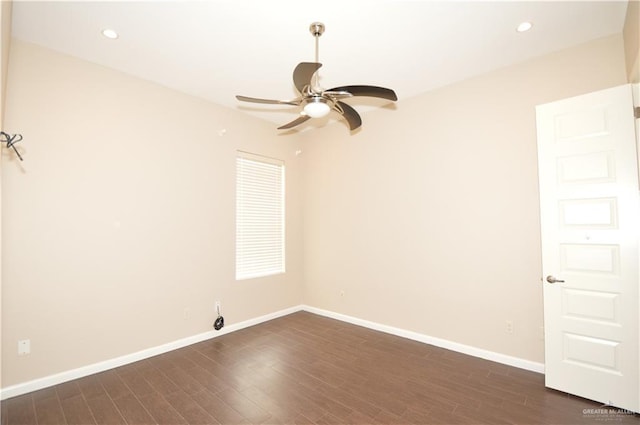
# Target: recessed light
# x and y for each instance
(109, 33)
(524, 26)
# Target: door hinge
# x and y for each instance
(636, 112)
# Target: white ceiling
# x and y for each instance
(216, 49)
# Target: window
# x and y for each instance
(259, 216)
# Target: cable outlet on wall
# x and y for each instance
(509, 326)
(24, 347)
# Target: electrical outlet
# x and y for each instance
(24, 347)
(509, 327)
(186, 313)
(217, 306)
(342, 293)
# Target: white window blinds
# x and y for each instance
(259, 216)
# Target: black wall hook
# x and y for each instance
(11, 140)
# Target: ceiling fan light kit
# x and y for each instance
(317, 102)
(317, 107)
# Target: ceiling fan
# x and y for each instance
(317, 102)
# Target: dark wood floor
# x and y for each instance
(308, 369)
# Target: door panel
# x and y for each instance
(590, 217)
(589, 213)
(590, 305)
(596, 167)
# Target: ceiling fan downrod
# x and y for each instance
(316, 29)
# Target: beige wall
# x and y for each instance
(5, 41)
(631, 34)
(122, 215)
(428, 219)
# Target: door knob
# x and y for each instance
(552, 279)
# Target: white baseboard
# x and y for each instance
(438, 342)
(47, 381)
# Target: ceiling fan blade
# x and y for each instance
(297, 121)
(294, 102)
(302, 74)
(335, 95)
(369, 91)
(349, 114)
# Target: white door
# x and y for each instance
(590, 215)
